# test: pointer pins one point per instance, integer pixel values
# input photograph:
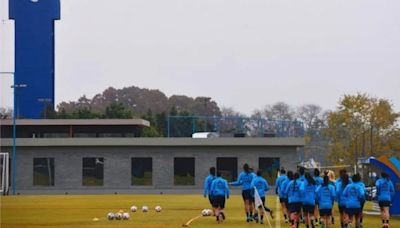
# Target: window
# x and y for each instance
(270, 167)
(228, 168)
(43, 171)
(141, 171)
(93, 171)
(184, 171)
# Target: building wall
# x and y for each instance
(117, 164)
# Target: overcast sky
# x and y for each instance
(242, 53)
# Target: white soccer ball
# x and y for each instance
(110, 216)
(206, 212)
(145, 208)
(118, 216)
(133, 208)
(125, 216)
(158, 208)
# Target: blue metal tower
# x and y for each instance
(34, 54)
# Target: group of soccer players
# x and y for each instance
(302, 196)
(216, 188)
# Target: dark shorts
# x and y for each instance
(384, 203)
(210, 199)
(218, 201)
(325, 212)
(246, 194)
(282, 200)
(353, 211)
(362, 204)
(295, 207)
(342, 209)
(308, 209)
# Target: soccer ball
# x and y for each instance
(157, 208)
(206, 212)
(145, 208)
(118, 216)
(125, 216)
(133, 208)
(110, 216)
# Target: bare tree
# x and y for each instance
(279, 111)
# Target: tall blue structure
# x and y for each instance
(34, 54)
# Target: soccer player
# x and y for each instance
(219, 190)
(385, 192)
(280, 192)
(325, 197)
(354, 196)
(318, 180)
(262, 186)
(207, 186)
(285, 194)
(362, 185)
(308, 190)
(295, 199)
(244, 180)
(341, 199)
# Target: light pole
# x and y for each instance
(14, 148)
(16, 87)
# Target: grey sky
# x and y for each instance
(242, 53)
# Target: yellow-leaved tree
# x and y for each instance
(362, 126)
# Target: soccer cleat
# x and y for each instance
(248, 219)
(385, 225)
(261, 221)
(222, 215)
(272, 214)
(286, 220)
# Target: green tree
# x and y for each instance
(117, 110)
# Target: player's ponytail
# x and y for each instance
(326, 181)
(309, 179)
(296, 176)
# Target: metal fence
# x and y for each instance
(185, 126)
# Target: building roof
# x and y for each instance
(153, 142)
(76, 122)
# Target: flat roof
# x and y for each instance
(151, 142)
(76, 122)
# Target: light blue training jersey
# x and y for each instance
(340, 198)
(293, 191)
(308, 192)
(219, 187)
(244, 180)
(384, 189)
(354, 195)
(278, 185)
(261, 185)
(326, 196)
(207, 185)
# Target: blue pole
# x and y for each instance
(14, 149)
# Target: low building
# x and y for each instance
(128, 164)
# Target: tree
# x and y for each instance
(311, 115)
(361, 126)
(5, 113)
(279, 111)
(117, 110)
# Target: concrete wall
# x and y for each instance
(117, 165)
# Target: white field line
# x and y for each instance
(278, 214)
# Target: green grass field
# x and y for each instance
(78, 211)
